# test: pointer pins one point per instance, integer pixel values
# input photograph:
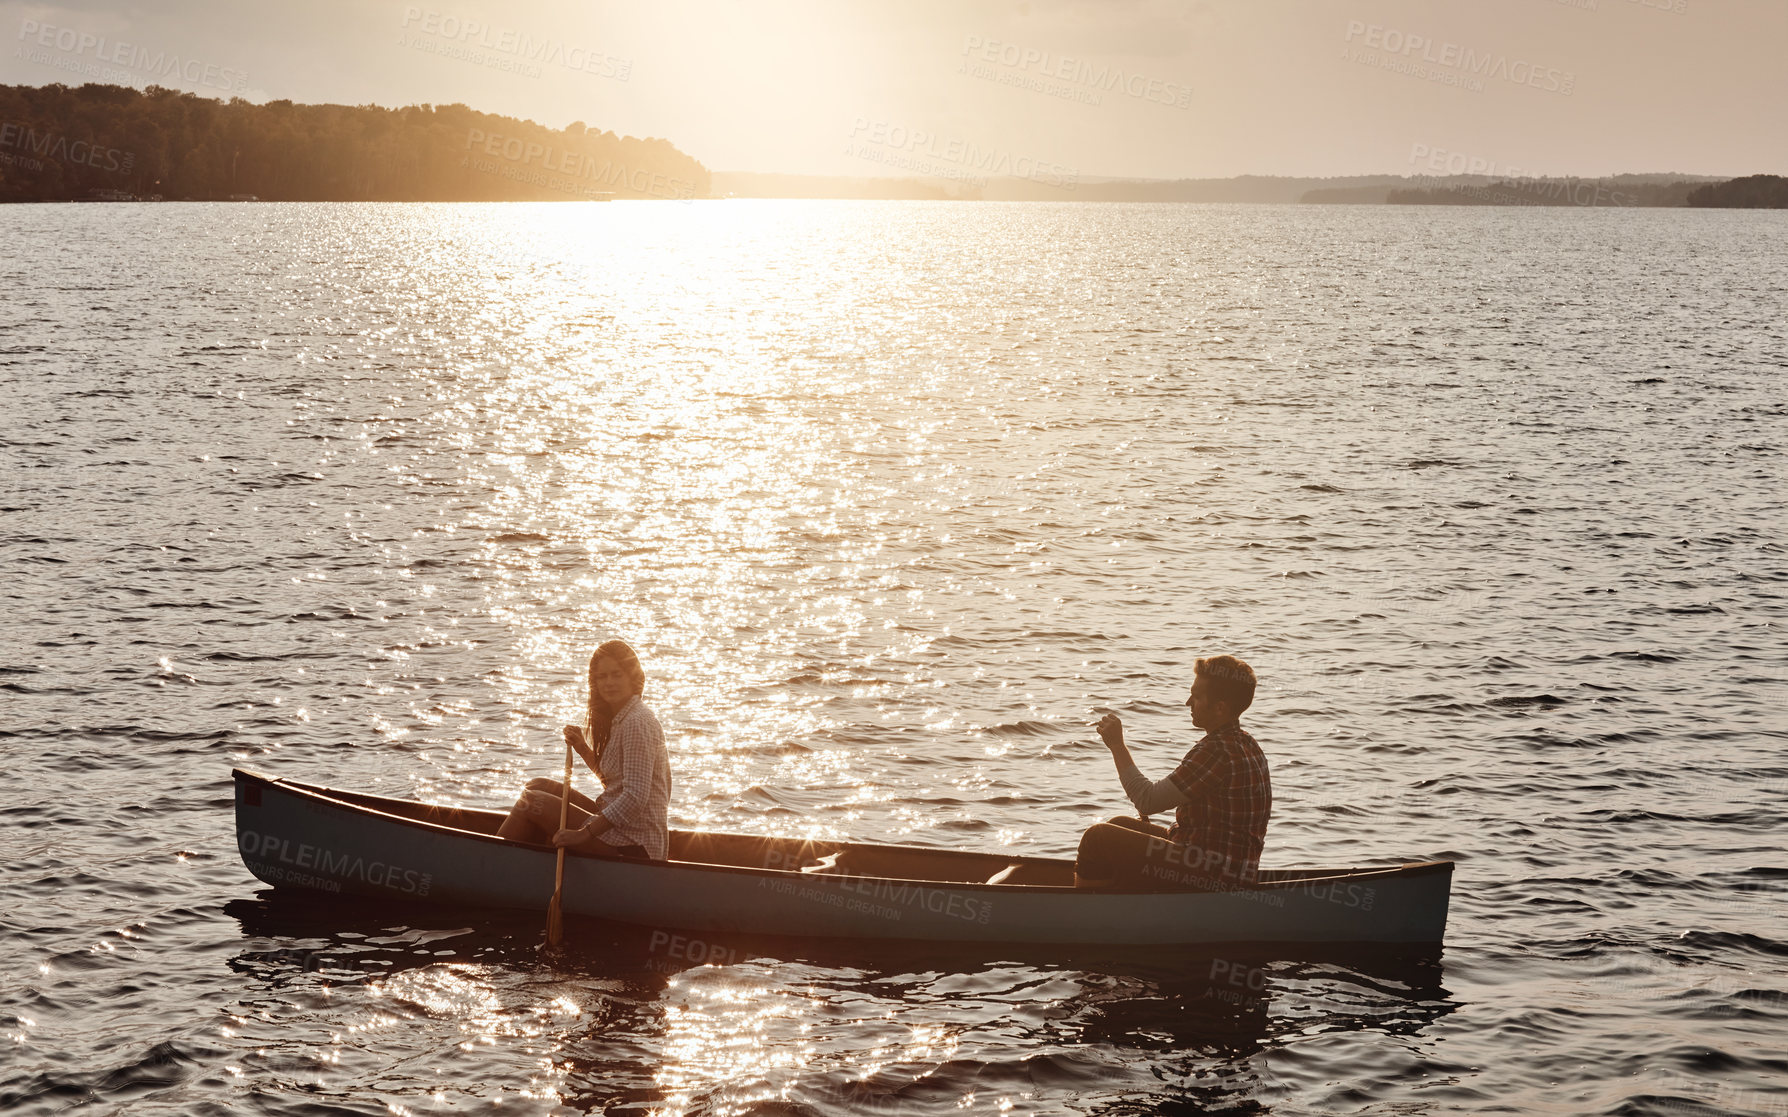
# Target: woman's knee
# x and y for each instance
(544, 784)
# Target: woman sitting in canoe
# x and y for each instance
(623, 744)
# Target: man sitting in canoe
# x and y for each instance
(1221, 795)
(623, 744)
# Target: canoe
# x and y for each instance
(298, 835)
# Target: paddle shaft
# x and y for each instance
(553, 918)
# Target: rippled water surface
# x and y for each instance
(892, 497)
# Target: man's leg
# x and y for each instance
(1140, 825)
(1114, 852)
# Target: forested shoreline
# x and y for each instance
(1548, 192)
(1751, 192)
(63, 143)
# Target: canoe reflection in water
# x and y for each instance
(655, 1017)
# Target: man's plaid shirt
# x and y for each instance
(1229, 796)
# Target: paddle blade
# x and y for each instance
(555, 923)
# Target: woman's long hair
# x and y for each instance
(599, 718)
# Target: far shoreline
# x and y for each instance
(86, 144)
(889, 197)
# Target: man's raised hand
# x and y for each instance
(1111, 731)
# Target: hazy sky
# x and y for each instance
(1147, 88)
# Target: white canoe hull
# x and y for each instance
(299, 836)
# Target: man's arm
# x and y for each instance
(1148, 798)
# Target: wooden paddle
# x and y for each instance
(555, 919)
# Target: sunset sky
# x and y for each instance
(1143, 88)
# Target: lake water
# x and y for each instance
(892, 498)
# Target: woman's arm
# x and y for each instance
(595, 825)
(574, 736)
(635, 744)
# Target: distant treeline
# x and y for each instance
(59, 143)
(1754, 192)
(1622, 190)
(1260, 189)
(1548, 192)
(962, 186)
(1453, 190)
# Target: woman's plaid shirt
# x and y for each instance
(636, 781)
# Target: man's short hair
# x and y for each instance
(1232, 681)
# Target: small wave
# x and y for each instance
(70, 691)
(1726, 818)
(1718, 943)
(1020, 729)
(1548, 701)
(780, 748)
